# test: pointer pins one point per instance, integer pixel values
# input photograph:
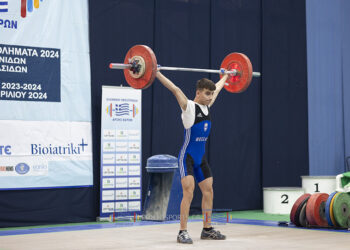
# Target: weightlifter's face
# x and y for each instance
(204, 96)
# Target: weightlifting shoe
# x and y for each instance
(184, 238)
(212, 235)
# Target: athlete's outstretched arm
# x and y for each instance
(219, 85)
(180, 96)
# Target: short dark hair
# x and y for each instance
(205, 83)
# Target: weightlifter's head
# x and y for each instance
(204, 91)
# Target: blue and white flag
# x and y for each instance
(122, 109)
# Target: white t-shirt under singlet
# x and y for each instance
(188, 115)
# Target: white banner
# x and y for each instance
(45, 106)
(62, 157)
(120, 151)
(45, 61)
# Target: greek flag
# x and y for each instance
(122, 109)
(4, 6)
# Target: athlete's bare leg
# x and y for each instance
(187, 189)
(206, 187)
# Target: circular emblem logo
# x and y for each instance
(22, 168)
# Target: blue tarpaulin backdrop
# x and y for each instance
(328, 57)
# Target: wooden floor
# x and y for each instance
(163, 236)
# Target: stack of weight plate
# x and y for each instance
(322, 210)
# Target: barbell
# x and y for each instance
(140, 68)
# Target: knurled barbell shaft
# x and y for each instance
(128, 66)
(234, 72)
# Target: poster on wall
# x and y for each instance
(120, 152)
(45, 105)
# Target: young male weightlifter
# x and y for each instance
(192, 163)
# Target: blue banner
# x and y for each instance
(22, 77)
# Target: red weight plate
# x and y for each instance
(150, 67)
(315, 210)
(242, 64)
(296, 206)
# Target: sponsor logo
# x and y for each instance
(108, 171)
(199, 115)
(121, 158)
(108, 159)
(5, 149)
(108, 134)
(121, 182)
(121, 169)
(108, 183)
(134, 182)
(108, 195)
(69, 149)
(121, 206)
(28, 5)
(122, 134)
(109, 146)
(134, 194)
(134, 134)
(134, 170)
(134, 206)
(6, 168)
(134, 158)
(107, 207)
(121, 195)
(134, 146)
(22, 168)
(40, 168)
(121, 146)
